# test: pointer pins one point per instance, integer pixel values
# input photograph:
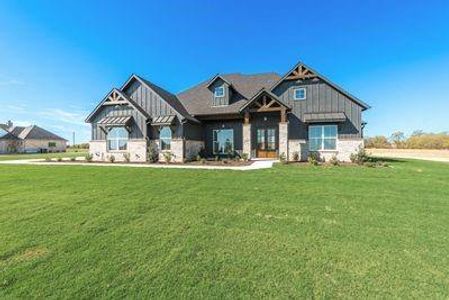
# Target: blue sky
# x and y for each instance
(59, 58)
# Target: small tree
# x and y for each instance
(127, 157)
(153, 155)
(398, 138)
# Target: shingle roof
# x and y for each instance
(324, 117)
(197, 99)
(171, 99)
(32, 132)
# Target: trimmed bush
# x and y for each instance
(360, 157)
(89, 157)
(245, 156)
(314, 158)
(283, 158)
(111, 159)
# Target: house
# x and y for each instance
(30, 139)
(263, 115)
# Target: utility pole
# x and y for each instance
(73, 139)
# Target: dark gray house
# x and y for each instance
(263, 115)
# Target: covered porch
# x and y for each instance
(265, 126)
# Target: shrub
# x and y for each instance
(245, 156)
(153, 155)
(217, 158)
(296, 156)
(334, 160)
(47, 159)
(360, 157)
(72, 158)
(127, 157)
(203, 161)
(198, 157)
(89, 157)
(167, 156)
(111, 159)
(59, 159)
(202, 153)
(283, 158)
(314, 158)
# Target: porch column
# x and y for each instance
(283, 134)
(247, 135)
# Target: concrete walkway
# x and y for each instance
(256, 165)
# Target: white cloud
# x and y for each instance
(59, 115)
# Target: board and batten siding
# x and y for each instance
(151, 102)
(138, 128)
(320, 98)
(220, 101)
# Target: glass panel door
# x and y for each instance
(261, 139)
(271, 139)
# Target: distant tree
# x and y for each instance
(397, 139)
(380, 142)
(418, 132)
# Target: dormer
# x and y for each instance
(221, 91)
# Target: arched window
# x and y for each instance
(165, 138)
(118, 139)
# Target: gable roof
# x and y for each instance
(215, 78)
(364, 105)
(197, 99)
(32, 132)
(168, 97)
(124, 96)
(267, 92)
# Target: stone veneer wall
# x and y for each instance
(177, 150)
(247, 139)
(283, 139)
(193, 148)
(344, 149)
(136, 148)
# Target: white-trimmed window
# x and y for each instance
(299, 94)
(165, 138)
(223, 141)
(117, 139)
(219, 91)
(323, 137)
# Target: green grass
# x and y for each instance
(42, 155)
(286, 232)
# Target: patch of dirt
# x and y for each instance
(434, 155)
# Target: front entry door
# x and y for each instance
(266, 143)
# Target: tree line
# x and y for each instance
(417, 140)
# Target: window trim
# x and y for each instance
(322, 138)
(300, 88)
(213, 141)
(117, 140)
(215, 92)
(165, 139)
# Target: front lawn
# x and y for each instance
(68, 154)
(287, 232)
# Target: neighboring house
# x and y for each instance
(263, 115)
(31, 139)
